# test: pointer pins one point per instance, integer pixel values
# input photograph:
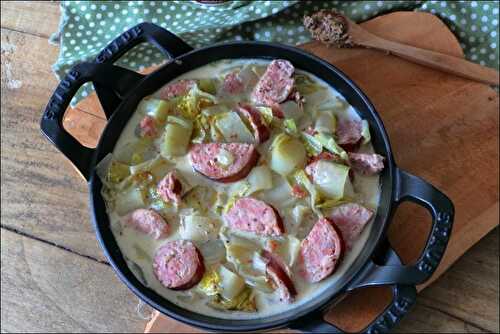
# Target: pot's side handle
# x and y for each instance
(391, 272)
(415, 189)
(403, 298)
(168, 43)
(114, 82)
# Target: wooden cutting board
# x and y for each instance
(442, 128)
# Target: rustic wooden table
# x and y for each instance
(54, 276)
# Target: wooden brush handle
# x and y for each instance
(436, 60)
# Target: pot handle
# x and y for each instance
(168, 43)
(114, 82)
(111, 83)
(403, 298)
(415, 189)
(402, 278)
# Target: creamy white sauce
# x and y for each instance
(130, 240)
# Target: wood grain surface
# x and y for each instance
(435, 133)
(82, 296)
(429, 58)
(54, 277)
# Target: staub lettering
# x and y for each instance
(55, 106)
(437, 244)
(115, 46)
(392, 316)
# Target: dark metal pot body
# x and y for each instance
(120, 90)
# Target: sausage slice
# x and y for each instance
(252, 215)
(170, 188)
(178, 265)
(204, 160)
(324, 156)
(366, 163)
(276, 83)
(233, 84)
(351, 219)
(147, 127)
(348, 132)
(147, 221)
(177, 88)
(276, 271)
(261, 131)
(321, 251)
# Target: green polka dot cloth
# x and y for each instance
(88, 26)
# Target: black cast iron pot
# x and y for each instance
(120, 90)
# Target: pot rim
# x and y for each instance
(207, 322)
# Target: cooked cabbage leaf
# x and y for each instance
(142, 146)
(260, 178)
(267, 114)
(305, 85)
(231, 284)
(290, 127)
(213, 251)
(232, 128)
(329, 143)
(227, 290)
(200, 198)
(244, 256)
(220, 201)
(302, 179)
(279, 194)
(191, 104)
(325, 121)
(331, 179)
(313, 146)
(207, 85)
(287, 154)
(129, 200)
(210, 282)
(291, 110)
(156, 108)
(117, 172)
(365, 132)
(244, 302)
(177, 136)
(288, 250)
(157, 166)
(198, 228)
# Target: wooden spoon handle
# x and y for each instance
(436, 60)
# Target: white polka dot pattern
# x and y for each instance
(90, 25)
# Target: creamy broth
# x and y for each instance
(139, 249)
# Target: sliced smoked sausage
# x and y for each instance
(321, 251)
(348, 132)
(252, 215)
(147, 127)
(233, 84)
(147, 221)
(177, 88)
(205, 160)
(170, 188)
(275, 85)
(178, 265)
(254, 117)
(350, 219)
(275, 269)
(366, 163)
